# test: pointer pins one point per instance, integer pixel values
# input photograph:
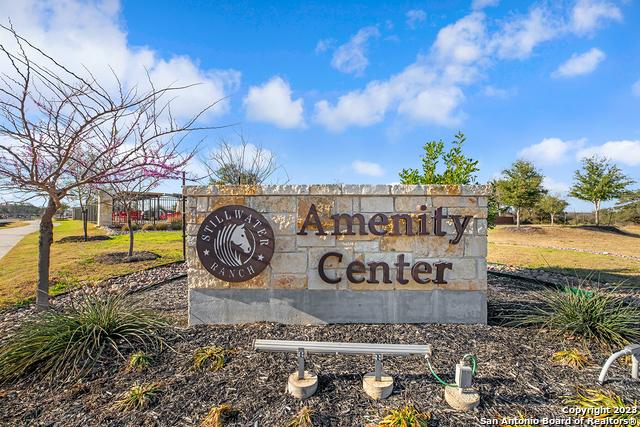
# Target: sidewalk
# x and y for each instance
(11, 236)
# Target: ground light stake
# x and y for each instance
(460, 395)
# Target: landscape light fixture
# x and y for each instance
(632, 350)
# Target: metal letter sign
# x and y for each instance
(235, 243)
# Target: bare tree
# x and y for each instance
(244, 163)
(50, 117)
(128, 192)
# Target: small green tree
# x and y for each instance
(551, 206)
(458, 168)
(520, 187)
(598, 181)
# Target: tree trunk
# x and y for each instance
(130, 232)
(518, 218)
(551, 219)
(44, 253)
(85, 219)
(597, 205)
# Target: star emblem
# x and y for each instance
(206, 252)
(260, 257)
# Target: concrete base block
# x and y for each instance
(462, 399)
(305, 306)
(377, 389)
(302, 388)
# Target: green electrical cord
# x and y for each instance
(474, 367)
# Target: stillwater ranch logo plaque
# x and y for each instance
(235, 243)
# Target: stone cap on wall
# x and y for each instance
(337, 189)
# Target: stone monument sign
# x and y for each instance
(312, 254)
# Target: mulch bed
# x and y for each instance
(514, 373)
(76, 239)
(123, 257)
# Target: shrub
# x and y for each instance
(139, 361)
(162, 226)
(598, 399)
(407, 416)
(176, 225)
(66, 345)
(218, 415)
(148, 227)
(303, 418)
(134, 227)
(139, 396)
(572, 357)
(600, 316)
(214, 356)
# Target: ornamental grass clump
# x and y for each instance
(304, 418)
(605, 405)
(66, 345)
(598, 316)
(212, 356)
(219, 415)
(139, 396)
(139, 361)
(408, 416)
(573, 357)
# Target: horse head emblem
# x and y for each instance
(232, 239)
(239, 237)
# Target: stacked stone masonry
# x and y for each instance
(295, 262)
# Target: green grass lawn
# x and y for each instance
(73, 264)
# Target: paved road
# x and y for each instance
(11, 236)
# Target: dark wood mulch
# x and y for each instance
(76, 239)
(123, 257)
(514, 374)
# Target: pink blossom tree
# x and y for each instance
(60, 130)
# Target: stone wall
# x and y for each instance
(291, 290)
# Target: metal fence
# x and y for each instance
(92, 213)
(149, 208)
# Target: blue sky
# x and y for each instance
(349, 91)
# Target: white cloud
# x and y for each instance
(635, 88)
(324, 45)
(481, 4)
(426, 92)
(579, 64)
(436, 104)
(517, 38)
(272, 103)
(555, 186)
(351, 57)
(551, 151)
(626, 152)
(431, 90)
(369, 105)
(367, 168)
(495, 92)
(588, 15)
(91, 34)
(463, 41)
(415, 17)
